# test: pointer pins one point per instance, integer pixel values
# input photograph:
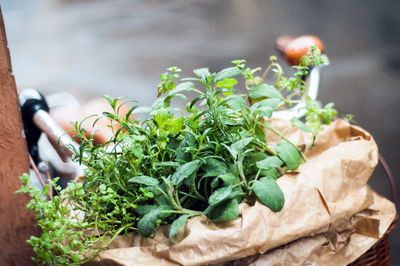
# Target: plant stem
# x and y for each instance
(107, 244)
(201, 197)
(258, 174)
(303, 156)
(241, 173)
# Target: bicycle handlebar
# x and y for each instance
(34, 110)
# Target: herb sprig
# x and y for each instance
(171, 167)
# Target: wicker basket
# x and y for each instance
(379, 254)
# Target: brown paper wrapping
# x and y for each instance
(330, 216)
(341, 245)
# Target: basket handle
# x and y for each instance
(389, 176)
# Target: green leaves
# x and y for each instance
(214, 167)
(45, 190)
(161, 117)
(144, 180)
(269, 193)
(270, 162)
(264, 90)
(223, 203)
(296, 122)
(317, 116)
(236, 102)
(265, 107)
(184, 86)
(236, 148)
(167, 83)
(226, 211)
(227, 179)
(184, 171)
(177, 224)
(228, 83)
(202, 72)
(328, 113)
(174, 125)
(289, 154)
(220, 195)
(227, 73)
(61, 237)
(148, 223)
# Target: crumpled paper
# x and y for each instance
(330, 216)
(341, 245)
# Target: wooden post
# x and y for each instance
(16, 223)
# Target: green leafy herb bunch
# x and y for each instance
(178, 164)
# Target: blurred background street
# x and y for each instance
(94, 47)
